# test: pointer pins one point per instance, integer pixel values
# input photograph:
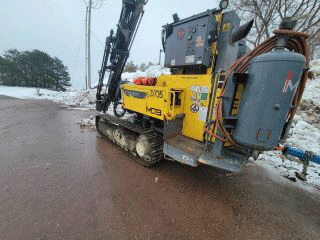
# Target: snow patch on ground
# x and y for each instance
(315, 67)
(82, 99)
(75, 98)
(312, 91)
(304, 136)
(89, 122)
(279, 165)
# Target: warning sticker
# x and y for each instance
(199, 41)
(189, 59)
(204, 96)
(200, 89)
(195, 97)
(203, 113)
(194, 108)
(173, 62)
(226, 27)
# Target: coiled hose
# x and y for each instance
(297, 42)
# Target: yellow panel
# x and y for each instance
(155, 101)
(147, 100)
(196, 99)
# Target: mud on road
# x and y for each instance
(58, 181)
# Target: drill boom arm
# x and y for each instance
(117, 51)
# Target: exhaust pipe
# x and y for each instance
(241, 32)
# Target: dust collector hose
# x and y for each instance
(297, 41)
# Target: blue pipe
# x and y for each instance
(300, 154)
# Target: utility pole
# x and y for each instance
(90, 4)
(86, 46)
(89, 44)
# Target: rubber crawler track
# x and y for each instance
(133, 131)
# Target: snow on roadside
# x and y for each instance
(304, 136)
(89, 122)
(83, 99)
(27, 92)
(315, 67)
(279, 165)
(312, 91)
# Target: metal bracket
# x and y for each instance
(306, 162)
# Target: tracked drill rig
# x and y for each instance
(220, 105)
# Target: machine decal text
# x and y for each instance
(288, 84)
(156, 93)
(154, 111)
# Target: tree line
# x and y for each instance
(33, 69)
(131, 67)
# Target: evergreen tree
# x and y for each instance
(130, 67)
(33, 69)
(143, 67)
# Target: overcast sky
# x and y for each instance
(58, 28)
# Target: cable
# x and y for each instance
(77, 59)
(297, 42)
(96, 4)
(97, 39)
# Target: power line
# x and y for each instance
(90, 4)
(94, 4)
(97, 39)
(76, 61)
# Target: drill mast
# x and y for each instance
(116, 52)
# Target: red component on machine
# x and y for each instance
(146, 81)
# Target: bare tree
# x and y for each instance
(269, 13)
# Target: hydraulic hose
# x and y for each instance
(297, 41)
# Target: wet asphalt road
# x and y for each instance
(57, 182)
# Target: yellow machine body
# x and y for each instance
(174, 95)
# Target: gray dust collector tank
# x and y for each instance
(267, 98)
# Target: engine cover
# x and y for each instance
(189, 44)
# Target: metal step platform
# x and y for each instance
(183, 149)
(192, 152)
